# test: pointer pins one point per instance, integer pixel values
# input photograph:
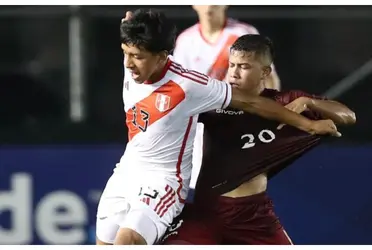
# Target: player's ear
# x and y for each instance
(163, 56)
(266, 72)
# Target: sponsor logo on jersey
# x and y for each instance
(229, 112)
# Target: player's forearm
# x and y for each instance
(270, 109)
(337, 112)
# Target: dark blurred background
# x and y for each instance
(61, 111)
(61, 67)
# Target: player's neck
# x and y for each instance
(211, 29)
(159, 73)
(258, 90)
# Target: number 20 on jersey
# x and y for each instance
(265, 136)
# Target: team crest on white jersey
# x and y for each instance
(162, 102)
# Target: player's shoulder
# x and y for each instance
(187, 34)
(186, 77)
(240, 28)
(285, 96)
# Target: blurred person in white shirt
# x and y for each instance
(205, 46)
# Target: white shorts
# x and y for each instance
(147, 209)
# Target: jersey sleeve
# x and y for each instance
(294, 94)
(208, 95)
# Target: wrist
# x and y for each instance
(308, 126)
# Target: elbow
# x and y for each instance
(348, 118)
(351, 118)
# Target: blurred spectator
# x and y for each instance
(205, 46)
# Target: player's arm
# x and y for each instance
(329, 109)
(272, 110)
(319, 107)
(206, 94)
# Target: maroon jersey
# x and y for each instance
(239, 146)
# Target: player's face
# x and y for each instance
(246, 71)
(210, 11)
(142, 64)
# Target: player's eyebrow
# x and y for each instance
(132, 53)
(243, 64)
(240, 64)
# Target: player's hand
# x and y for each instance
(324, 127)
(298, 106)
(128, 15)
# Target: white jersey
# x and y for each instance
(194, 52)
(149, 186)
(161, 120)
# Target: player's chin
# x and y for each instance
(234, 85)
(137, 77)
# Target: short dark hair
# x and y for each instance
(149, 29)
(261, 45)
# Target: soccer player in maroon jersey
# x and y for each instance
(241, 152)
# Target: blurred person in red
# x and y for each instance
(242, 152)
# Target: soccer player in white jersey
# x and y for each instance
(162, 101)
(205, 46)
